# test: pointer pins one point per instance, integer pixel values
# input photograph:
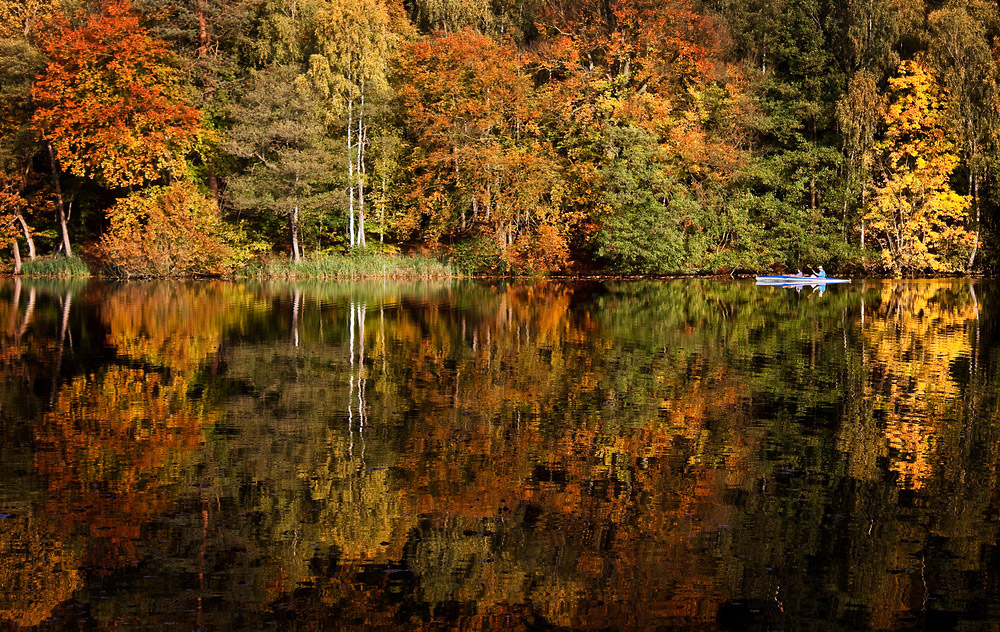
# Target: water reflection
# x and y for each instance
(455, 455)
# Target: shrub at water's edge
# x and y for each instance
(55, 266)
(169, 231)
(359, 265)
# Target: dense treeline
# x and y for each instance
(191, 136)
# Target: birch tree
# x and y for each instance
(859, 113)
(961, 36)
(357, 41)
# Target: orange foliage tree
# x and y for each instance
(111, 104)
(657, 65)
(168, 231)
(481, 165)
(648, 118)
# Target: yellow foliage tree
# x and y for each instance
(20, 18)
(168, 231)
(915, 214)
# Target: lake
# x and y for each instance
(459, 455)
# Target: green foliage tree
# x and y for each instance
(962, 39)
(289, 163)
(651, 223)
(794, 176)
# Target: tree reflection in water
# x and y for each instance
(459, 455)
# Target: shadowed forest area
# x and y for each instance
(180, 137)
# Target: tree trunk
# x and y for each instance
(213, 185)
(381, 219)
(202, 30)
(17, 256)
(32, 254)
(296, 257)
(361, 214)
(843, 223)
(59, 199)
(864, 201)
(350, 171)
(361, 170)
(975, 203)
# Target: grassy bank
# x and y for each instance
(55, 266)
(362, 265)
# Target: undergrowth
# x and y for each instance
(55, 266)
(359, 265)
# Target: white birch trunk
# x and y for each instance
(350, 170)
(361, 169)
(27, 237)
(17, 256)
(381, 219)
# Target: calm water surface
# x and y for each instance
(464, 456)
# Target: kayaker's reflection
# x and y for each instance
(821, 288)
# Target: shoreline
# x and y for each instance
(470, 277)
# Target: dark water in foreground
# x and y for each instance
(372, 456)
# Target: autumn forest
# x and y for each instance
(197, 137)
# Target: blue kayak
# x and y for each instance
(789, 280)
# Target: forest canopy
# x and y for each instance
(165, 137)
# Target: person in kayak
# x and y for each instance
(799, 273)
(819, 275)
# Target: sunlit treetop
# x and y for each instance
(110, 101)
(23, 18)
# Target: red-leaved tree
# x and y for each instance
(110, 101)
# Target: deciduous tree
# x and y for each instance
(859, 114)
(167, 231)
(358, 40)
(110, 102)
(962, 36)
(916, 215)
(481, 166)
(24, 18)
